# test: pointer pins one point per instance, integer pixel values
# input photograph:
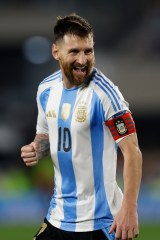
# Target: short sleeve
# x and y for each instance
(42, 126)
(111, 98)
(115, 105)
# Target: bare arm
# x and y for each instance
(126, 221)
(43, 146)
(36, 150)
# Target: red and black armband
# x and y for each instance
(121, 126)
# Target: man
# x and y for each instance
(82, 119)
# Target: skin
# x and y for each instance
(33, 152)
(126, 221)
(74, 52)
(71, 51)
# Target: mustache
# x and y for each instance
(80, 65)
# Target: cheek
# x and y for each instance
(68, 60)
(91, 57)
(65, 65)
(91, 60)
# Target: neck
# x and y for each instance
(66, 83)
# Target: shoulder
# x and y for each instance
(102, 81)
(107, 92)
(50, 81)
(101, 84)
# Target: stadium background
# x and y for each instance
(127, 37)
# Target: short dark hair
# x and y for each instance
(72, 24)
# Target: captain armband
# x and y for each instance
(121, 126)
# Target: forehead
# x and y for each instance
(74, 41)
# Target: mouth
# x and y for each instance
(80, 69)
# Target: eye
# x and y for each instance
(88, 51)
(73, 51)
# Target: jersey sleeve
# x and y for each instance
(118, 117)
(115, 114)
(116, 105)
(42, 126)
(111, 98)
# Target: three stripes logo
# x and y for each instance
(51, 114)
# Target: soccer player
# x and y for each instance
(82, 120)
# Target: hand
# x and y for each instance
(29, 154)
(126, 223)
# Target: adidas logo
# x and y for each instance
(51, 114)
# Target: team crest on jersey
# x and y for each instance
(66, 109)
(81, 113)
(121, 126)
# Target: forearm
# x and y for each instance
(126, 220)
(132, 175)
(43, 145)
(132, 170)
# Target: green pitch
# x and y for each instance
(18, 232)
(147, 232)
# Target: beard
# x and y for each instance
(75, 76)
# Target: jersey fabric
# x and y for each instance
(86, 196)
(49, 232)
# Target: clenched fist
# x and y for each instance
(29, 154)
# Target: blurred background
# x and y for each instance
(127, 49)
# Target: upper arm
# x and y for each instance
(129, 144)
(121, 126)
(131, 152)
(123, 131)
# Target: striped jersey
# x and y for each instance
(86, 196)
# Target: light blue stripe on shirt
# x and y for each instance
(69, 188)
(102, 211)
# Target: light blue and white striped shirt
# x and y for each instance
(86, 196)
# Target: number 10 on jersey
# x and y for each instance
(64, 139)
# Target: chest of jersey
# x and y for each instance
(70, 114)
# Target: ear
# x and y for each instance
(55, 51)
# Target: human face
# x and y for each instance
(76, 58)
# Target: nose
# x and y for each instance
(81, 58)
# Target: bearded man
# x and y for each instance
(82, 120)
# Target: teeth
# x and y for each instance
(80, 68)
